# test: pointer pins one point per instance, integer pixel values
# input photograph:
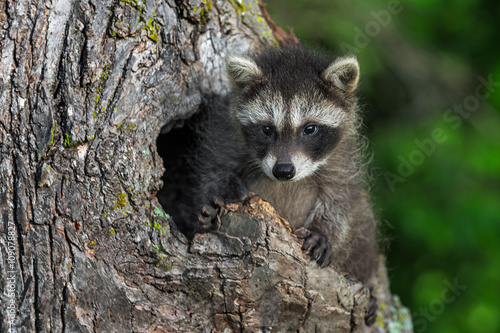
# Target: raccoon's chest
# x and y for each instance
(293, 200)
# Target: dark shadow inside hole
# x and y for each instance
(176, 147)
(175, 197)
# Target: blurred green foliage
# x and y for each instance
(440, 210)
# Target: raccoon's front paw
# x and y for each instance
(208, 213)
(318, 247)
(371, 314)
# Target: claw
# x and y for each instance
(208, 211)
(319, 250)
(371, 314)
(218, 202)
(302, 233)
(309, 243)
(326, 259)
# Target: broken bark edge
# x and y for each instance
(270, 282)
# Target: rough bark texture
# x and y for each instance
(85, 88)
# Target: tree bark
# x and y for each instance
(85, 89)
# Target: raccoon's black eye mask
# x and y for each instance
(259, 138)
(322, 142)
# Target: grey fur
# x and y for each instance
(287, 89)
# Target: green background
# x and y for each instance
(436, 184)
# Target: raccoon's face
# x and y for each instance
(292, 124)
(290, 138)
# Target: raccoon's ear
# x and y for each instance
(242, 70)
(343, 73)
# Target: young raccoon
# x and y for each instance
(291, 136)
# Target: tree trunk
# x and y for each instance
(86, 87)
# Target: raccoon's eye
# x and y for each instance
(311, 129)
(267, 130)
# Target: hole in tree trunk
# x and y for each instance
(175, 147)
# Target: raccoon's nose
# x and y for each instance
(284, 171)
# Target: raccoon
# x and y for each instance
(291, 135)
